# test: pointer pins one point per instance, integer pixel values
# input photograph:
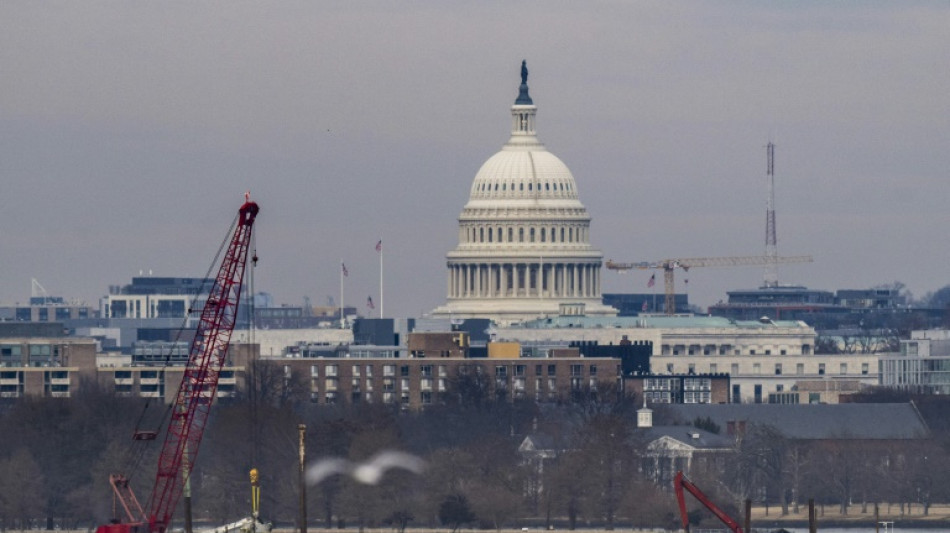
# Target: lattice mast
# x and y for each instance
(200, 381)
(771, 248)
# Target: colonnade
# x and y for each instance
(524, 280)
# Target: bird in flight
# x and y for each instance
(368, 472)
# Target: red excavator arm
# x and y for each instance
(197, 390)
(679, 484)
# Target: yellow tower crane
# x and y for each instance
(669, 265)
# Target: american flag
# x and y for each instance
(369, 302)
(345, 271)
(644, 306)
(379, 246)
(652, 281)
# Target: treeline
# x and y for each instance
(56, 456)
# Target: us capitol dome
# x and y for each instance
(524, 247)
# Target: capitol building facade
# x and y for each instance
(524, 247)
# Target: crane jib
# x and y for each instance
(197, 389)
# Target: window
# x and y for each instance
(10, 350)
(821, 369)
(844, 369)
(593, 370)
(734, 369)
(778, 369)
(800, 368)
(864, 369)
(552, 370)
(713, 368)
(332, 370)
(389, 370)
(501, 372)
(356, 371)
(519, 370)
(40, 350)
(577, 370)
(426, 371)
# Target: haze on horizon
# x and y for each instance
(129, 133)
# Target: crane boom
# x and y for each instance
(199, 383)
(669, 265)
(679, 484)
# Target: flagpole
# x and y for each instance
(380, 278)
(342, 318)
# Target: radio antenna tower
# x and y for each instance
(771, 248)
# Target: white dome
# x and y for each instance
(517, 174)
(524, 243)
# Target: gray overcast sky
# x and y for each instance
(129, 132)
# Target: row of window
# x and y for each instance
(501, 371)
(724, 349)
(427, 393)
(42, 314)
(563, 186)
(530, 234)
(778, 369)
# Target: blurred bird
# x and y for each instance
(368, 472)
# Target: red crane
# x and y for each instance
(680, 483)
(196, 393)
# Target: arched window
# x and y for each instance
(531, 234)
(520, 234)
(542, 234)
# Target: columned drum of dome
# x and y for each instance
(524, 246)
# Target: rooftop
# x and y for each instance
(656, 321)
